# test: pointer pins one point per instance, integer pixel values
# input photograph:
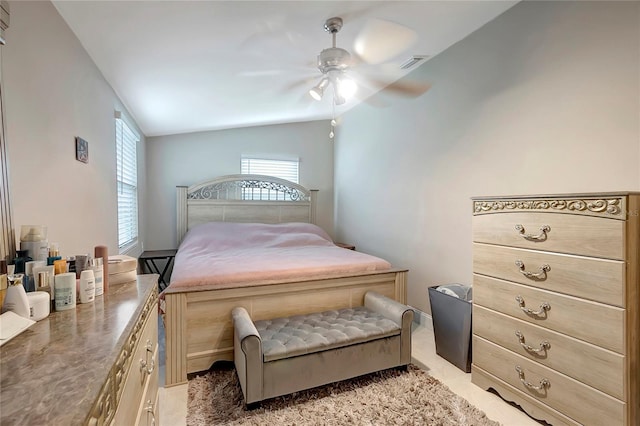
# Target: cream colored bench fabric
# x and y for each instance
(284, 355)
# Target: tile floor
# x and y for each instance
(173, 400)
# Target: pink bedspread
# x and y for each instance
(224, 254)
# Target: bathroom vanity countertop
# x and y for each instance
(53, 372)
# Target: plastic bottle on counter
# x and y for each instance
(3, 281)
(16, 297)
(65, 291)
(103, 253)
(22, 257)
(87, 286)
(98, 272)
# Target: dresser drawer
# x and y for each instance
(145, 352)
(148, 410)
(596, 367)
(602, 325)
(576, 400)
(596, 279)
(574, 234)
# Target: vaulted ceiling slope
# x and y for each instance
(187, 66)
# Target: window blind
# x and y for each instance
(283, 169)
(127, 182)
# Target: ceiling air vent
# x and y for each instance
(413, 61)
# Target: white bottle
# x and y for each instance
(98, 272)
(65, 291)
(16, 297)
(87, 286)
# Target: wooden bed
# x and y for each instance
(198, 325)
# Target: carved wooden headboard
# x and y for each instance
(244, 198)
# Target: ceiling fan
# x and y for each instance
(333, 62)
(378, 42)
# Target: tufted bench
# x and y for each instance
(279, 356)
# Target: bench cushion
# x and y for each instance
(304, 334)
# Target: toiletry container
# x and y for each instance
(60, 266)
(54, 250)
(87, 286)
(43, 276)
(22, 257)
(3, 281)
(29, 274)
(38, 305)
(98, 272)
(103, 253)
(45, 281)
(81, 263)
(16, 297)
(65, 291)
(52, 259)
(33, 238)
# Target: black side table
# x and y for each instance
(148, 264)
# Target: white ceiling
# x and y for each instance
(186, 66)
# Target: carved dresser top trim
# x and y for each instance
(611, 207)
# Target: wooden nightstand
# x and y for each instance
(346, 246)
(148, 264)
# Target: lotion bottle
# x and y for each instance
(102, 251)
(16, 298)
(65, 291)
(87, 286)
(98, 272)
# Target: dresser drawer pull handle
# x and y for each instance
(149, 410)
(544, 307)
(540, 237)
(544, 383)
(544, 346)
(144, 366)
(538, 276)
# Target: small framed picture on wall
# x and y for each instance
(82, 150)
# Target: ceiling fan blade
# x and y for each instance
(372, 100)
(379, 41)
(262, 73)
(404, 87)
(306, 83)
(266, 41)
(271, 72)
(411, 89)
(275, 33)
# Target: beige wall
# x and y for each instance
(544, 99)
(53, 92)
(187, 159)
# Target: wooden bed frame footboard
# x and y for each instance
(199, 329)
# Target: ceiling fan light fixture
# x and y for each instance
(317, 91)
(346, 87)
(338, 99)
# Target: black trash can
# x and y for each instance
(451, 314)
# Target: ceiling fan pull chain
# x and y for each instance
(333, 120)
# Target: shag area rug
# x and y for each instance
(390, 397)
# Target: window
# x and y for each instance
(283, 169)
(127, 180)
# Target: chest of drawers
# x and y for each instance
(556, 322)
